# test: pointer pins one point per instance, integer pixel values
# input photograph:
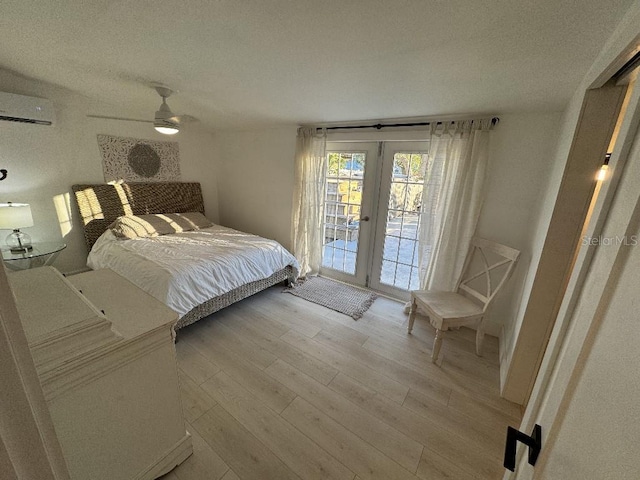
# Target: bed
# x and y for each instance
(196, 271)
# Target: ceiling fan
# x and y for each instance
(165, 121)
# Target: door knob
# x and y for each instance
(365, 218)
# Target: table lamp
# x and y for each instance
(14, 216)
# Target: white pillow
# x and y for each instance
(136, 226)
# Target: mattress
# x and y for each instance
(183, 270)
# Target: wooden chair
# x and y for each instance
(486, 269)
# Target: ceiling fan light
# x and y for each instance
(167, 130)
(166, 126)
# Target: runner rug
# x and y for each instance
(334, 295)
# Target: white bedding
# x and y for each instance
(185, 269)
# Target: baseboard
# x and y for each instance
(169, 460)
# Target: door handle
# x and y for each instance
(534, 442)
(365, 218)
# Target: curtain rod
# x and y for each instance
(379, 126)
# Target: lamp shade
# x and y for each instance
(15, 215)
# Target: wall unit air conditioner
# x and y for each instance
(23, 109)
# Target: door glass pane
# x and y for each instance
(400, 264)
(345, 176)
(391, 244)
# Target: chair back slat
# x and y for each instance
(487, 269)
(480, 248)
(497, 248)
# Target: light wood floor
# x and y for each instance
(275, 387)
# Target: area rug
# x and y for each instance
(334, 295)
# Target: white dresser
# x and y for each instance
(105, 357)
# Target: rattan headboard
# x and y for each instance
(100, 204)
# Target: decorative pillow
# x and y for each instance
(134, 226)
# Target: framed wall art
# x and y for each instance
(137, 160)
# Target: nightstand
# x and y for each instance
(43, 253)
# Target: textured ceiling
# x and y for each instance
(244, 63)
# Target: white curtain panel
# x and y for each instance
(452, 201)
(308, 197)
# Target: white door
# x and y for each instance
(350, 185)
(372, 206)
(394, 266)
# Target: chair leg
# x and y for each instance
(437, 343)
(412, 315)
(480, 337)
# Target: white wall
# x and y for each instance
(520, 160)
(43, 162)
(566, 130)
(256, 181)
(539, 223)
(256, 188)
(589, 406)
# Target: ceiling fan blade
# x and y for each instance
(107, 117)
(163, 116)
(185, 119)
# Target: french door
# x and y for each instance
(350, 184)
(372, 214)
